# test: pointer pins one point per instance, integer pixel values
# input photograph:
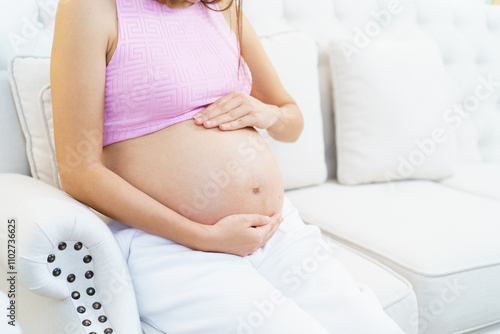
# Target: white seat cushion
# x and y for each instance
(481, 179)
(394, 292)
(443, 240)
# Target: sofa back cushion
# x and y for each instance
(29, 78)
(12, 145)
(389, 105)
(295, 58)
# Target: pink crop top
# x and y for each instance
(168, 65)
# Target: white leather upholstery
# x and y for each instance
(45, 217)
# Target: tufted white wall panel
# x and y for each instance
(469, 38)
(26, 27)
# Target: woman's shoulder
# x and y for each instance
(87, 15)
(87, 20)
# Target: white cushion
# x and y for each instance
(295, 58)
(443, 240)
(28, 77)
(394, 292)
(482, 179)
(389, 100)
(12, 144)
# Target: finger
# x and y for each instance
(274, 228)
(229, 116)
(258, 220)
(240, 123)
(276, 220)
(223, 109)
(221, 106)
(272, 222)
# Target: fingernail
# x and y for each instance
(222, 126)
(197, 115)
(207, 123)
(199, 120)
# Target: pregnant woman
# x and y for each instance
(160, 100)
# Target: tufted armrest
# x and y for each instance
(64, 251)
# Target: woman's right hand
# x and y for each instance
(241, 234)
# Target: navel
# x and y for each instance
(256, 191)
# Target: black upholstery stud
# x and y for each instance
(108, 331)
(78, 246)
(71, 278)
(51, 258)
(56, 272)
(86, 322)
(89, 274)
(87, 258)
(80, 309)
(92, 333)
(90, 291)
(75, 295)
(96, 305)
(62, 246)
(102, 318)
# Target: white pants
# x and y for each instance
(291, 285)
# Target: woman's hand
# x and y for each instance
(238, 110)
(241, 234)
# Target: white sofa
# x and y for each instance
(428, 248)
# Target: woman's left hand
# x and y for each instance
(238, 110)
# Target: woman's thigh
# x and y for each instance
(299, 263)
(179, 290)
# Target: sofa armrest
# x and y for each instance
(63, 247)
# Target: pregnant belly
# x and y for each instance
(203, 174)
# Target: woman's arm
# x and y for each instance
(82, 39)
(269, 105)
(268, 88)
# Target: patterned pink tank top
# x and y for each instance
(168, 65)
